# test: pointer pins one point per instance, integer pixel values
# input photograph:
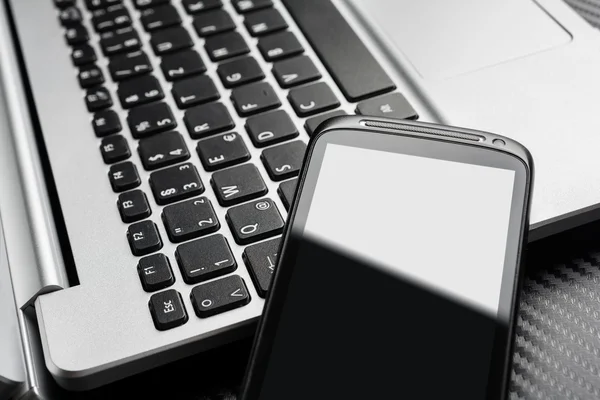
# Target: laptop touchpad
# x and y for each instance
(444, 38)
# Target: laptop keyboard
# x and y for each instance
(142, 40)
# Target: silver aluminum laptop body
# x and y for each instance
(523, 68)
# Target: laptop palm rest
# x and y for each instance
(446, 38)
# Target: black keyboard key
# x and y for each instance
(83, 54)
(167, 310)
(254, 221)
(284, 161)
(142, 4)
(114, 149)
(392, 105)
(90, 75)
(193, 91)
(226, 45)
(129, 65)
(106, 123)
(190, 219)
(160, 17)
(347, 59)
(197, 6)
(239, 72)
(213, 22)
(238, 184)
(77, 34)
(170, 40)
(120, 41)
(208, 119)
(96, 4)
(286, 192)
(246, 6)
(205, 258)
(97, 99)
(176, 183)
(313, 123)
(144, 238)
(70, 16)
(155, 272)
(280, 45)
(295, 71)
(222, 151)
(264, 22)
(312, 99)
(123, 176)
(181, 65)
(163, 149)
(254, 98)
(133, 206)
(261, 260)
(111, 18)
(270, 128)
(139, 90)
(219, 296)
(64, 3)
(150, 119)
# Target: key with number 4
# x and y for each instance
(161, 150)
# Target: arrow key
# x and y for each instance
(219, 296)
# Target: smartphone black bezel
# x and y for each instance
(514, 153)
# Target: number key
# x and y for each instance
(284, 161)
(161, 150)
(190, 219)
(176, 183)
(150, 119)
(129, 65)
(254, 221)
(205, 259)
(222, 151)
(171, 40)
(140, 90)
(160, 17)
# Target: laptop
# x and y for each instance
(149, 148)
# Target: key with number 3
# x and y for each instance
(176, 183)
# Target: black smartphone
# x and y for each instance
(399, 269)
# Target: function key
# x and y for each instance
(226, 45)
(204, 259)
(238, 184)
(286, 192)
(213, 22)
(245, 6)
(155, 272)
(106, 123)
(129, 65)
(195, 90)
(76, 34)
(270, 128)
(280, 45)
(113, 17)
(254, 98)
(114, 149)
(312, 99)
(219, 296)
(123, 177)
(239, 72)
(222, 151)
(295, 71)
(70, 16)
(263, 22)
(83, 54)
(163, 149)
(392, 105)
(313, 123)
(167, 310)
(96, 4)
(120, 41)
(190, 219)
(197, 6)
(254, 221)
(284, 161)
(144, 238)
(138, 91)
(133, 206)
(170, 40)
(142, 4)
(97, 99)
(150, 119)
(160, 17)
(208, 119)
(90, 75)
(64, 3)
(261, 259)
(176, 183)
(181, 65)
